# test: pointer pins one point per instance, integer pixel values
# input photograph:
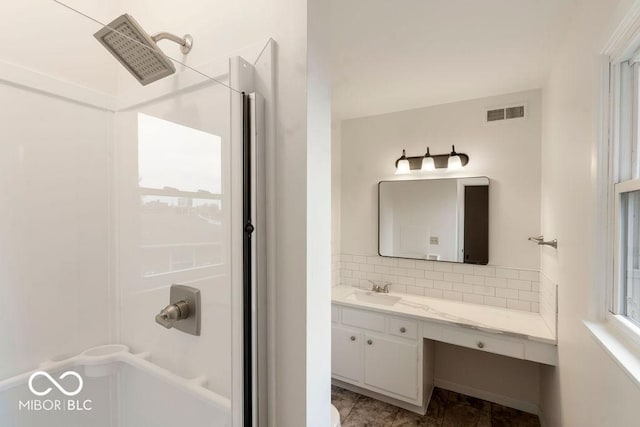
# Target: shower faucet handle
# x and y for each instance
(172, 313)
(184, 310)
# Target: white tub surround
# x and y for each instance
(116, 385)
(383, 343)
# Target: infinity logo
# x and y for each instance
(55, 383)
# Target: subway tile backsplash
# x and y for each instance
(512, 288)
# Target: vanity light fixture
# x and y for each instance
(402, 165)
(431, 162)
(454, 163)
(428, 164)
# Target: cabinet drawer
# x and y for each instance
(405, 328)
(363, 319)
(472, 339)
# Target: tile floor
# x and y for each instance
(446, 409)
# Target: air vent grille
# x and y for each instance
(505, 113)
(515, 112)
(494, 115)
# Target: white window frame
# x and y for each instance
(615, 188)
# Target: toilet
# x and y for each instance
(335, 417)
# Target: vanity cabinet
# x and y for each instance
(392, 365)
(347, 353)
(382, 354)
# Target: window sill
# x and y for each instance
(617, 342)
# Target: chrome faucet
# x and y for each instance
(384, 289)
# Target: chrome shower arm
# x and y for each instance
(185, 42)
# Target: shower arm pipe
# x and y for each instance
(185, 42)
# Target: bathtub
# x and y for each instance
(108, 386)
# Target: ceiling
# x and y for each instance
(396, 55)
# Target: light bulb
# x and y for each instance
(428, 164)
(403, 165)
(454, 163)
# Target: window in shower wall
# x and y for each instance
(180, 182)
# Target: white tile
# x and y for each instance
(360, 259)
(474, 299)
(443, 266)
(434, 275)
(346, 258)
(351, 281)
(517, 304)
(463, 287)
(414, 272)
(399, 271)
(507, 273)
(374, 276)
(352, 266)
(390, 278)
(406, 263)
(415, 290)
(507, 293)
(367, 267)
(463, 268)
(360, 274)
(453, 277)
(452, 295)
(424, 265)
(433, 293)
(529, 296)
(521, 285)
(496, 302)
(535, 286)
(484, 271)
(498, 282)
(383, 269)
(532, 276)
(535, 307)
(391, 262)
(403, 280)
(484, 290)
(425, 283)
(375, 260)
(443, 285)
(347, 273)
(474, 280)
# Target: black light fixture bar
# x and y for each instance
(441, 161)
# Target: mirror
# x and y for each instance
(435, 219)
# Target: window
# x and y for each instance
(625, 188)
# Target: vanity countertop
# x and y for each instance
(497, 320)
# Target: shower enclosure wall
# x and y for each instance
(110, 193)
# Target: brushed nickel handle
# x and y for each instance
(403, 329)
(480, 344)
(353, 338)
(369, 342)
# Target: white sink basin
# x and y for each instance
(374, 298)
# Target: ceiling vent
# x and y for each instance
(505, 113)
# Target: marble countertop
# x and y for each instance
(496, 320)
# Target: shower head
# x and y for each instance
(138, 52)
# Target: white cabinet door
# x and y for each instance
(346, 353)
(391, 365)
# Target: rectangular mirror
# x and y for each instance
(435, 219)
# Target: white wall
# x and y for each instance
(336, 193)
(508, 153)
(586, 376)
(54, 228)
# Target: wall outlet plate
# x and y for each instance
(190, 325)
(434, 241)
